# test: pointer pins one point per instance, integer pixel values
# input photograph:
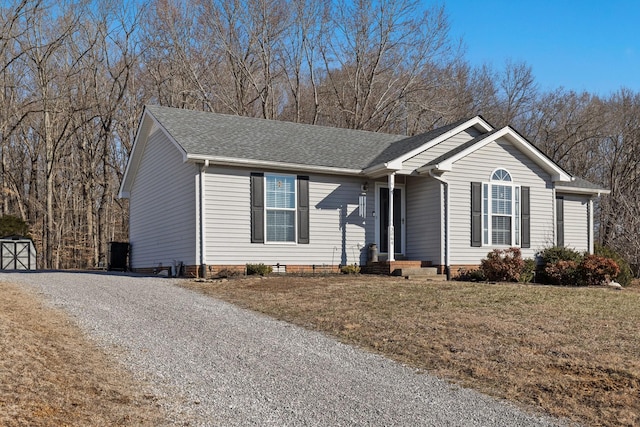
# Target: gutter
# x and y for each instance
(202, 220)
(584, 191)
(445, 237)
(266, 164)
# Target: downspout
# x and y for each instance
(590, 232)
(391, 230)
(203, 257)
(554, 209)
(445, 237)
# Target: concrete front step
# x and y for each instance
(433, 278)
(424, 273)
(416, 271)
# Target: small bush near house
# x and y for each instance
(350, 269)
(565, 266)
(561, 273)
(228, 272)
(554, 254)
(503, 265)
(559, 266)
(528, 272)
(625, 276)
(259, 269)
(595, 269)
(475, 275)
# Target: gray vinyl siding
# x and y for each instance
(423, 216)
(576, 222)
(444, 147)
(162, 204)
(338, 235)
(479, 166)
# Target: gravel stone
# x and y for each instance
(211, 363)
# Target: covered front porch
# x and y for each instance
(410, 216)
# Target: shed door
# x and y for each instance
(15, 256)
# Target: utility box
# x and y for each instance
(373, 252)
(17, 253)
(118, 256)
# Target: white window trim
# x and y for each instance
(295, 209)
(487, 214)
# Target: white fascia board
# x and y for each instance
(265, 164)
(383, 169)
(148, 124)
(476, 121)
(578, 190)
(135, 155)
(556, 172)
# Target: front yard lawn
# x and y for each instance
(571, 352)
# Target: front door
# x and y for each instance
(383, 223)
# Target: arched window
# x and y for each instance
(501, 210)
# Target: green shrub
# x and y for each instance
(559, 253)
(625, 276)
(503, 265)
(13, 226)
(528, 272)
(350, 269)
(475, 275)
(228, 272)
(561, 273)
(595, 269)
(260, 269)
(560, 266)
(565, 266)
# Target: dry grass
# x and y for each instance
(572, 352)
(50, 375)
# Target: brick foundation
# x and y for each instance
(382, 268)
(194, 271)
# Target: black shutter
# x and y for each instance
(476, 214)
(303, 209)
(526, 217)
(257, 208)
(560, 221)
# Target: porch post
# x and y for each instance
(391, 232)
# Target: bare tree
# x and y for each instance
(383, 56)
(619, 152)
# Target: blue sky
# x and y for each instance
(590, 45)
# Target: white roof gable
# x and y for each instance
(446, 162)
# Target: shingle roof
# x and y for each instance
(580, 183)
(461, 148)
(220, 135)
(406, 145)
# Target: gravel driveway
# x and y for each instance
(212, 363)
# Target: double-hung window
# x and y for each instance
(500, 212)
(280, 208)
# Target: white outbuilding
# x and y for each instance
(17, 253)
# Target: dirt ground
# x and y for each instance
(52, 375)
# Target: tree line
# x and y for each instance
(75, 75)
